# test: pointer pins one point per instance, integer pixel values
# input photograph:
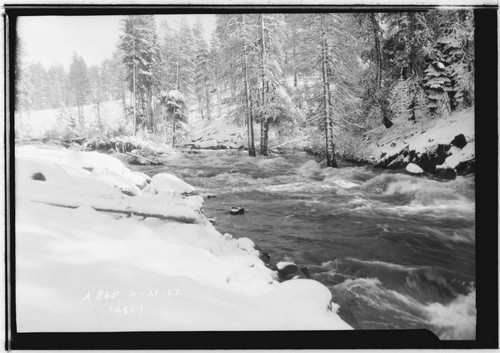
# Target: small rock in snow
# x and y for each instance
(38, 176)
(414, 169)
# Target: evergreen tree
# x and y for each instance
(236, 34)
(202, 72)
(176, 111)
(333, 53)
(449, 76)
(270, 74)
(409, 38)
(141, 55)
(79, 84)
(57, 81)
(375, 94)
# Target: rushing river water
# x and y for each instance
(396, 251)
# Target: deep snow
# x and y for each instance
(78, 269)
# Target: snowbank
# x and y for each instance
(83, 270)
(444, 146)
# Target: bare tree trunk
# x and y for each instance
(329, 145)
(251, 144)
(264, 127)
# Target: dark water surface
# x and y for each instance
(396, 251)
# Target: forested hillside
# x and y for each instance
(318, 82)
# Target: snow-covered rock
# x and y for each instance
(458, 155)
(141, 180)
(281, 265)
(207, 144)
(247, 245)
(116, 180)
(414, 169)
(165, 182)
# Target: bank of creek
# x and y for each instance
(396, 250)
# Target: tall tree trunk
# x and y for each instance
(173, 129)
(134, 121)
(378, 75)
(219, 100)
(177, 73)
(264, 126)
(124, 105)
(150, 108)
(99, 112)
(295, 73)
(329, 146)
(412, 69)
(251, 144)
(207, 96)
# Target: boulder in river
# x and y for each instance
(236, 211)
(414, 169)
(289, 270)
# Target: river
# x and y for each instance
(396, 251)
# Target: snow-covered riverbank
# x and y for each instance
(443, 146)
(79, 269)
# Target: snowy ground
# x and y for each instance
(79, 269)
(36, 124)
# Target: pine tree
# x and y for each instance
(57, 81)
(79, 84)
(202, 70)
(141, 54)
(449, 76)
(215, 68)
(376, 93)
(333, 53)
(236, 34)
(185, 58)
(409, 39)
(96, 89)
(174, 103)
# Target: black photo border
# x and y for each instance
(486, 180)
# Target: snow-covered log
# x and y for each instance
(71, 196)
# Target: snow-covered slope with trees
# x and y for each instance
(444, 146)
(56, 123)
(150, 261)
